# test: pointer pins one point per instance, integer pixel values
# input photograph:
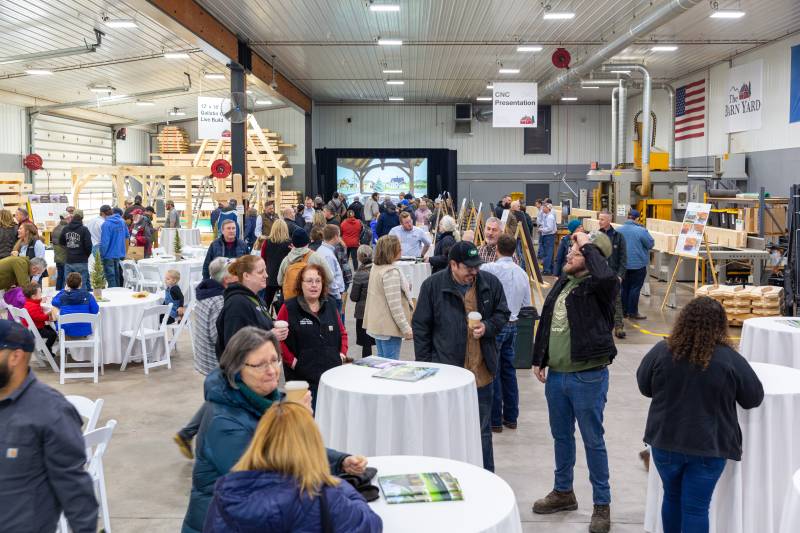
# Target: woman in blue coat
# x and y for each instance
(237, 394)
(283, 483)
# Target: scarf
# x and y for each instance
(261, 403)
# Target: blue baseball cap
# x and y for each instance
(14, 336)
(573, 225)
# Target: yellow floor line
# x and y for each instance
(662, 335)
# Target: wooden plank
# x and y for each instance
(16, 177)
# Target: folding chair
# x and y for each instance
(143, 334)
(96, 444)
(88, 409)
(149, 277)
(92, 341)
(131, 275)
(41, 352)
(176, 328)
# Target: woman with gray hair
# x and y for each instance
(237, 394)
(358, 294)
(448, 236)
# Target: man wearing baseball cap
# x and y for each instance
(460, 311)
(42, 451)
(639, 242)
(574, 339)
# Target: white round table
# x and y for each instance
(120, 312)
(790, 520)
(771, 340)
(185, 266)
(415, 274)
(436, 416)
(749, 496)
(189, 237)
(489, 504)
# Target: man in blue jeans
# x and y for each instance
(547, 238)
(517, 289)
(639, 242)
(577, 383)
(78, 242)
(113, 234)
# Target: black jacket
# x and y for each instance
(440, 322)
(273, 254)
(8, 238)
(439, 260)
(618, 258)
(590, 311)
(78, 242)
(291, 225)
(240, 308)
(315, 340)
(358, 209)
(694, 410)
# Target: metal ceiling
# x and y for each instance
(453, 47)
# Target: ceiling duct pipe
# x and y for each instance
(671, 122)
(646, 106)
(622, 98)
(87, 48)
(614, 128)
(643, 26)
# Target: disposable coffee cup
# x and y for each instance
(280, 324)
(474, 319)
(296, 391)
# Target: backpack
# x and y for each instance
(366, 235)
(290, 277)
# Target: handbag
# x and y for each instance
(362, 483)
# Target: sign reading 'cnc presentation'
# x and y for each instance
(514, 105)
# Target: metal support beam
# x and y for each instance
(239, 129)
(311, 181)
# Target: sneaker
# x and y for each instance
(637, 316)
(556, 502)
(510, 425)
(619, 333)
(601, 519)
(497, 429)
(185, 446)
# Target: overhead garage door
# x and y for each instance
(64, 143)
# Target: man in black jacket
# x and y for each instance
(442, 333)
(618, 261)
(78, 242)
(574, 340)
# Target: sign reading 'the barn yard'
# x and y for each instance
(743, 104)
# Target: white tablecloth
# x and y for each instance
(166, 238)
(748, 497)
(790, 520)
(415, 274)
(120, 312)
(436, 416)
(184, 266)
(489, 504)
(771, 340)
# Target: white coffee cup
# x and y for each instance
(295, 391)
(474, 319)
(281, 324)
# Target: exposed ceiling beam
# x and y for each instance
(640, 42)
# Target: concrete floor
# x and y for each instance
(149, 481)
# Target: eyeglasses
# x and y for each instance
(313, 281)
(261, 367)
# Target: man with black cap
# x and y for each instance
(443, 332)
(574, 339)
(42, 451)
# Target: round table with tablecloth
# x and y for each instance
(191, 270)
(749, 496)
(790, 518)
(415, 273)
(436, 416)
(166, 238)
(771, 339)
(489, 504)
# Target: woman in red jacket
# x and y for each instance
(351, 235)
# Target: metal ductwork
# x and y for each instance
(87, 48)
(622, 96)
(671, 123)
(648, 23)
(614, 128)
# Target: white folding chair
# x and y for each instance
(96, 445)
(88, 409)
(176, 328)
(150, 277)
(131, 275)
(143, 334)
(195, 272)
(41, 352)
(92, 341)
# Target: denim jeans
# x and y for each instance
(60, 276)
(339, 307)
(546, 243)
(389, 349)
(689, 482)
(631, 287)
(579, 396)
(485, 394)
(110, 267)
(505, 405)
(82, 269)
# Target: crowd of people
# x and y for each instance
(272, 302)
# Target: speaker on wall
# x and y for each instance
(464, 112)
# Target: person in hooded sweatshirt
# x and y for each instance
(300, 252)
(113, 234)
(78, 242)
(387, 220)
(75, 299)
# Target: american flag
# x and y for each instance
(690, 110)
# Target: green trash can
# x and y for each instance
(523, 350)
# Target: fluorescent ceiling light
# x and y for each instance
(395, 82)
(176, 55)
(663, 48)
(529, 48)
(214, 76)
(384, 7)
(177, 113)
(569, 98)
(101, 88)
(484, 99)
(508, 71)
(390, 42)
(263, 102)
(590, 87)
(557, 15)
(113, 97)
(120, 23)
(144, 103)
(396, 98)
(490, 86)
(38, 72)
(392, 71)
(727, 14)
(620, 71)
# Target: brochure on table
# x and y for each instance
(694, 224)
(415, 488)
(373, 361)
(406, 373)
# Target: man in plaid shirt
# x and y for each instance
(491, 232)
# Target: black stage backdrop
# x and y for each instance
(442, 167)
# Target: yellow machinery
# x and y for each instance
(649, 208)
(659, 159)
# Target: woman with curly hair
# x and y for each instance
(695, 379)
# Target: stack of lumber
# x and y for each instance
(743, 302)
(13, 190)
(173, 140)
(724, 237)
(289, 199)
(775, 218)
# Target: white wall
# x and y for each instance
(13, 138)
(135, 149)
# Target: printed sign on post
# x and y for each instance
(514, 105)
(211, 124)
(694, 224)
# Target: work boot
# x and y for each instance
(638, 316)
(601, 519)
(619, 332)
(497, 429)
(555, 502)
(510, 425)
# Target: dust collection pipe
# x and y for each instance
(614, 126)
(622, 124)
(671, 123)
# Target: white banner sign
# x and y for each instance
(743, 104)
(514, 105)
(210, 122)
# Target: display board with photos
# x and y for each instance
(694, 223)
(46, 208)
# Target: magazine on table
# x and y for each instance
(373, 361)
(406, 372)
(792, 322)
(414, 488)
